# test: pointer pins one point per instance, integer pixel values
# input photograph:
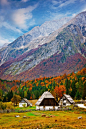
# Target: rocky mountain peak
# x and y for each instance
(50, 47)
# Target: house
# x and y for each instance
(66, 100)
(46, 102)
(26, 102)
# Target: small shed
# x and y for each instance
(66, 100)
(26, 102)
(46, 102)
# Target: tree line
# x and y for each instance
(73, 84)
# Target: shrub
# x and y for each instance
(2, 106)
(10, 107)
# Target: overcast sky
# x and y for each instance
(19, 16)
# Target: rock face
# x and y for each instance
(30, 40)
(46, 50)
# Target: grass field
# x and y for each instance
(52, 119)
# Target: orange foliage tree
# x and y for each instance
(59, 91)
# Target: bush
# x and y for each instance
(2, 106)
(10, 107)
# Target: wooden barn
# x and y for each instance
(66, 100)
(26, 102)
(46, 102)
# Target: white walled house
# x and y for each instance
(46, 102)
(25, 102)
(66, 100)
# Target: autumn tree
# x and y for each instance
(59, 91)
(16, 99)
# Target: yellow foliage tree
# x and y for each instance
(16, 99)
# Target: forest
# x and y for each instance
(73, 84)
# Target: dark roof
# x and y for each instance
(46, 94)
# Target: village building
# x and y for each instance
(66, 100)
(46, 102)
(25, 102)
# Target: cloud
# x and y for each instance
(8, 26)
(67, 2)
(73, 15)
(58, 9)
(58, 16)
(84, 10)
(57, 5)
(20, 16)
(82, 1)
(32, 22)
(24, 0)
(60, 4)
(4, 40)
(54, 2)
(4, 2)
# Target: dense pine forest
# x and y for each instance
(73, 84)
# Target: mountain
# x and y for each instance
(37, 36)
(46, 50)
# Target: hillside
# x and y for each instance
(61, 51)
(73, 84)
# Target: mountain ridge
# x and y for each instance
(69, 40)
(29, 40)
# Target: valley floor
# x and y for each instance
(44, 120)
